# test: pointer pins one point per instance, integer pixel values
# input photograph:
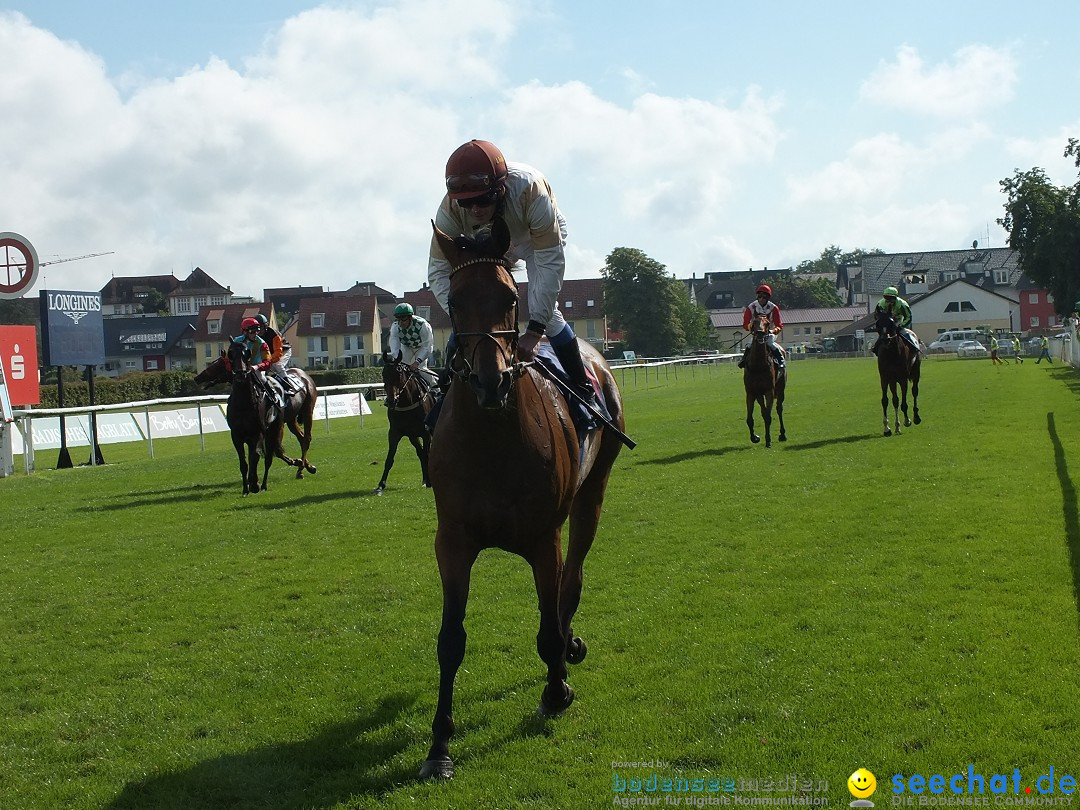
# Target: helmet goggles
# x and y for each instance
(469, 183)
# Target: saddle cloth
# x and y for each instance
(583, 420)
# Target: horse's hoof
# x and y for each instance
(548, 711)
(437, 769)
(783, 437)
(888, 432)
(379, 490)
(755, 439)
(311, 469)
(576, 651)
(918, 421)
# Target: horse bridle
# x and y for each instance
(493, 335)
(406, 375)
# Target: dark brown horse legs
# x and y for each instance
(550, 639)
(455, 574)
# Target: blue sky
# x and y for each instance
(275, 143)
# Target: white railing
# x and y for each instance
(134, 420)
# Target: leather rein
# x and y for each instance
(493, 335)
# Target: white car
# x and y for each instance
(971, 348)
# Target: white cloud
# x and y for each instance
(977, 78)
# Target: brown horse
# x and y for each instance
(407, 404)
(764, 382)
(898, 363)
(299, 410)
(507, 469)
(253, 428)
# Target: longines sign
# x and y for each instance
(72, 330)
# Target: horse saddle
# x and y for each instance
(582, 418)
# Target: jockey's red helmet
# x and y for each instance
(766, 289)
(476, 168)
(247, 323)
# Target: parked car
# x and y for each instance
(971, 348)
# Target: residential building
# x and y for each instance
(198, 290)
(148, 343)
(914, 273)
(136, 295)
(1037, 313)
(336, 332)
(286, 300)
(800, 325)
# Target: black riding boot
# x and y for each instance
(570, 358)
(742, 362)
(779, 355)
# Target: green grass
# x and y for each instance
(905, 604)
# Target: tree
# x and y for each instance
(19, 311)
(1043, 222)
(792, 292)
(697, 330)
(832, 258)
(154, 301)
(641, 301)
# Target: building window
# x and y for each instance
(151, 365)
(590, 302)
(348, 343)
(183, 306)
(568, 305)
(207, 350)
(352, 319)
(806, 331)
(817, 330)
(359, 342)
(950, 275)
(590, 329)
(424, 312)
(214, 327)
(1033, 298)
(1001, 276)
(217, 300)
(317, 320)
(129, 364)
(316, 345)
(1033, 322)
(200, 301)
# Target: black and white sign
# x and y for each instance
(72, 329)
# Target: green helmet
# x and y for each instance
(261, 319)
(890, 291)
(403, 311)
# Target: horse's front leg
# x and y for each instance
(455, 568)
(780, 416)
(896, 410)
(903, 404)
(551, 638)
(420, 444)
(241, 452)
(253, 466)
(766, 417)
(393, 438)
(915, 399)
(750, 402)
(885, 408)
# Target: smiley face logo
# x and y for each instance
(862, 784)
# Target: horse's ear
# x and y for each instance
(446, 244)
(500, 236)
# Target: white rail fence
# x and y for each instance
(40, 429)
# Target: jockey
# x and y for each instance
(891, 304)
(259, 352)
(480, 186)
(763, 305)
(411, 336)
(280, 354)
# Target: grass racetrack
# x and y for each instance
(842, 600)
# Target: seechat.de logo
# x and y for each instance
(862, 785)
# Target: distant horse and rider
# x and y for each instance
(765, 381)
(297, 411)
(409, 399)
(508, 466)
(899, 363)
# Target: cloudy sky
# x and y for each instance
(277, 143)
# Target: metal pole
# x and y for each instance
(202, 437)
(149, 433)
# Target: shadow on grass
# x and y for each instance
(863, 437)
(703, 453)
(1068, 506)
(339, 764)
(150, 497)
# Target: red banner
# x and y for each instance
(18, 357)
